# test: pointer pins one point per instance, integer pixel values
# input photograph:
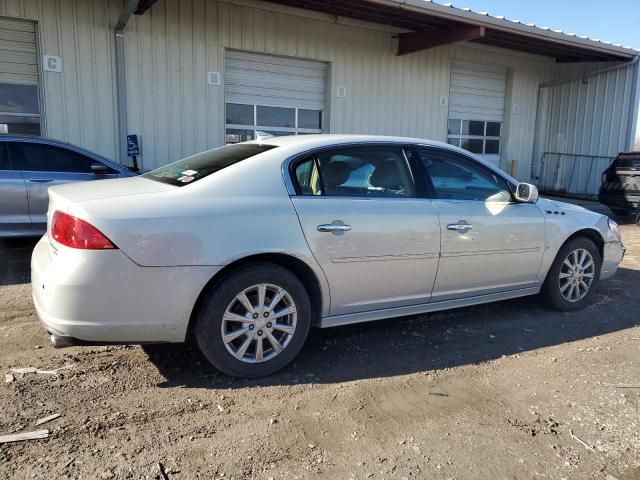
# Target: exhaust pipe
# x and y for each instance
(61, 342)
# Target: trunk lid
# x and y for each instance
(61, 197)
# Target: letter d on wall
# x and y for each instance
(51, 63)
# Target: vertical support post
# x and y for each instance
(121, 89)
(513, 168)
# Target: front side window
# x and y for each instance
(196, 167)
(356, 172)
(19, 109)
(48, 158)
(455, 177)
(476, 136)
(243, 121)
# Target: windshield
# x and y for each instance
(191, 169)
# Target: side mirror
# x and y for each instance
(527, 193)
(99, 169)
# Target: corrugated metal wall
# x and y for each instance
(585, 122)
(79, 103)
(170, 49)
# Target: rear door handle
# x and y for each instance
(334, 227)
(459, 227)
(41, 180)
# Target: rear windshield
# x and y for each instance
(191, 169)
(628, 161)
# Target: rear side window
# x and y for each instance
(376, 171)
(48, 158)
(191, 169)
(627, 161)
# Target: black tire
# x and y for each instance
(209, 319)
(551, 288)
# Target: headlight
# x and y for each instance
(615, 229)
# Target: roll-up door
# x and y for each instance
(271, 94)
(19, 108)
(476, 108)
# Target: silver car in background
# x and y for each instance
(245, 247)
(29, 166)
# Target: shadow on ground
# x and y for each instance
(15, 259)
(422, 343)
(398, 346)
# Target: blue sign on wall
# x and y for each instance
(133, 147)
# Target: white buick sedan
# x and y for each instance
(245, 247)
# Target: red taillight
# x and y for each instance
(75, 233)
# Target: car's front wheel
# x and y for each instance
(573, 275)
(254, 321)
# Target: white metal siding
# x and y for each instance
(79, 104)
(586, 116)
(269, 80)
(477, 92)
(18, 57)
(170, 49)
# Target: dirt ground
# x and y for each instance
(501, 391)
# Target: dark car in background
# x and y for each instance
(620, 189)
(29, 165)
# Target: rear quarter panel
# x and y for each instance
(240, 211)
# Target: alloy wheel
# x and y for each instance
(577, 274)
(259, 323)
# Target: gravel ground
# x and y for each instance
(503, 391)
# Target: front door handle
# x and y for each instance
(41, 180)
(459, 227)
(334, 227)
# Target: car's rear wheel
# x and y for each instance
(573, 275)
(254, 321)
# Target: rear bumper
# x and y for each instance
(102, 297)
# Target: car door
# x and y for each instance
(44, 165)
(14, 206)
(377, 243)
(490, 243)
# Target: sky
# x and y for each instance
(617, 21)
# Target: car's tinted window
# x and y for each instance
(4, 157)
(48, 158)
(196, 167)
(371, 171)
(627, 161)
(453, 176)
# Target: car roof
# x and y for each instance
(338, 139)
(34, 138)
(301, 143)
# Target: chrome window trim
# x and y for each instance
(287, 173)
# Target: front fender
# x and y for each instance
(563, 221)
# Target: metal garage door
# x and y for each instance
(476, 108)
(275, 95)
(19, 108)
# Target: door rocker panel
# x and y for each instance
(334, 321)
